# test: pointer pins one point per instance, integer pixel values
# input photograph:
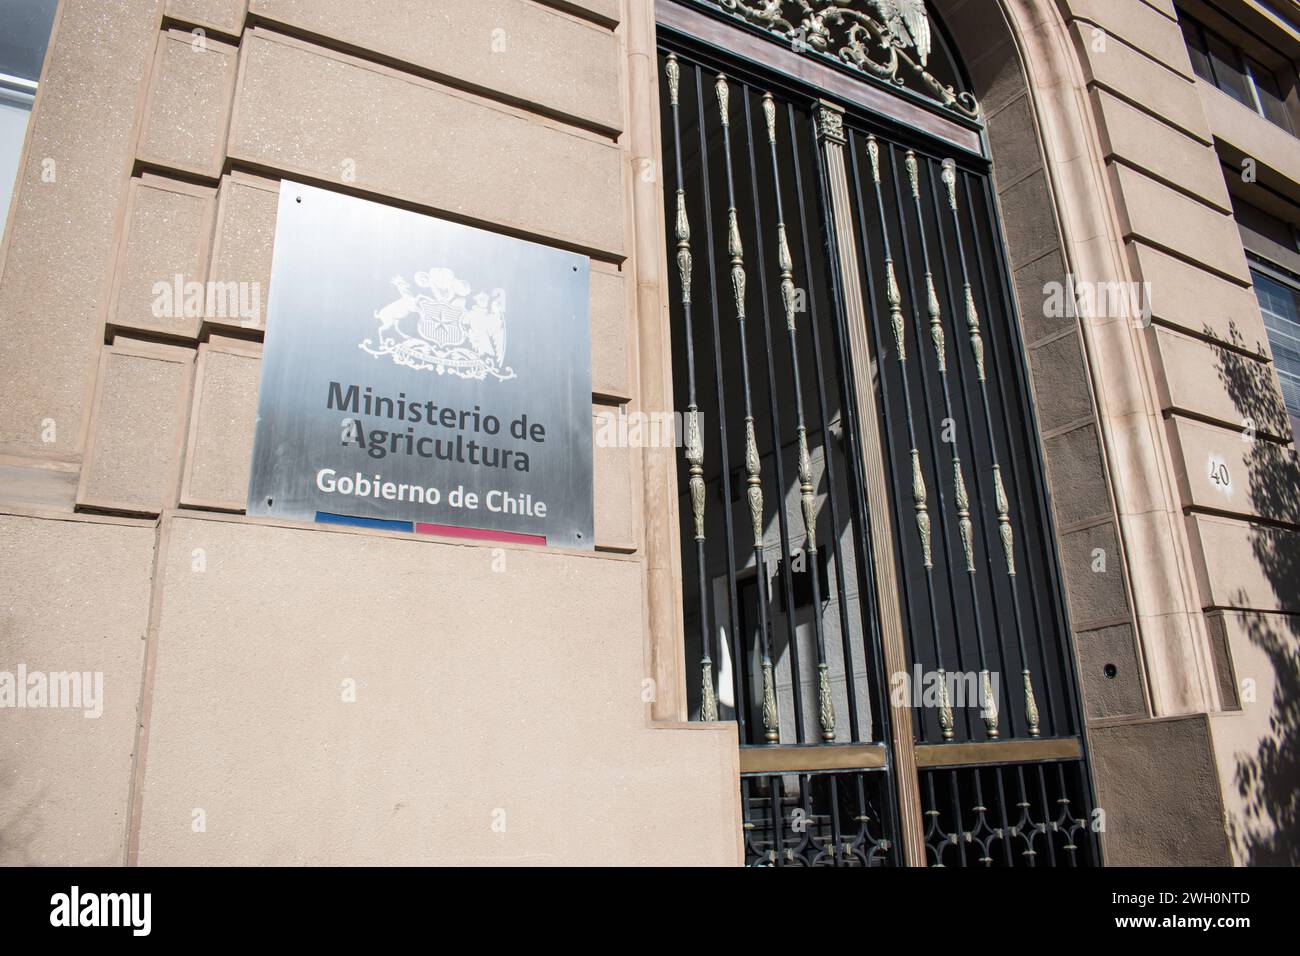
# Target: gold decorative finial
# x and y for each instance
(913, 173)
(683, 230)
(695, 460)
(950, 180)
(708, 700)
(895, 309)
(945, 706)
(674, 78)
(786, 266)
(771, 730)
(754, 482)
(936, 324)
(1031, 705)
(990, 706)
(1004, 521)
(919, 497)
(826, 710)
(973, 325)
(737, 253)
(769, 114)
(873, 150)
(724, 98)
(963, 514)
(807, 497)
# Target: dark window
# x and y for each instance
(1271, 101)
(1195, 41)
(1279, 303)
(1246, 80)
(1228, 73)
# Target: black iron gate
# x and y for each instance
(868, 562)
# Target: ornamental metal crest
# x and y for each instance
(893, 45)
(455, 333)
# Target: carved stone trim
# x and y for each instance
(887, 40)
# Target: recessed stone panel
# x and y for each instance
(611, 336)
(76, 602)
(1118, 67)
(1162, 217)
(1094, 575)
(612, 481)
(303, 111)
(224, 15)
(1170, 818)
(516, 50)
(1062, 392)
(1029, 218)
(1219, 470)
(135, 431)
(1077, 476)
(163, 258)
(1210, 381)
(222, 420)
(1200, 302)
(1111, 673)
(62, 234)
(1245, 565)
(189, 104)
(242, 248)
(490, 685)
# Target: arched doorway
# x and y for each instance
(869, 570)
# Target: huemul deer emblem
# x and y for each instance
(395, 311)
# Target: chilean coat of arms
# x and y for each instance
(455, 333)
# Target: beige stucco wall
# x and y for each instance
(1095, 120)
(541, 121)
(508, 705)
(1188, 393)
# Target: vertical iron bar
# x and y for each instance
(986, 548)
(919, 492)
(828, 451)
(1025, 823)
(935, 827)
(694, 443)
(774, 422)
(754, 482)
(833, 200)
(999, 490)
(959, 827)
(807, 491)
(1047, 815)
(1007, 841)
(739, 658)
(837, 835)
(1029, 434)
(1066, 814)
(886, 400)
(961, 497)
(778, 818)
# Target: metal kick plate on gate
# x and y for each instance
(423, 372)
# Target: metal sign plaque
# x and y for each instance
(422, 372)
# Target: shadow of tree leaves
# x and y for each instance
(1268, 781)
